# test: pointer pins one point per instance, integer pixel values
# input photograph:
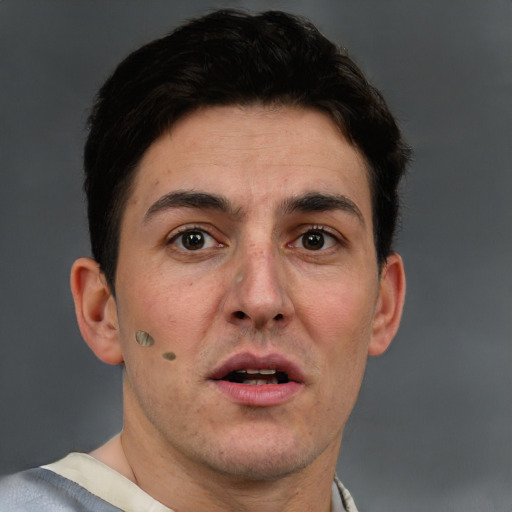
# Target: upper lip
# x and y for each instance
(247, 360)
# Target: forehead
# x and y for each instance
(255, 155)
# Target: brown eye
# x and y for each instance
(194, 240)
(313, 240)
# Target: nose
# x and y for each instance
(259, 293)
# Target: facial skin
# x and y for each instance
(221, 257)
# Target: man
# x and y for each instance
(241, 177)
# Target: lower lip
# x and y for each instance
(264, 395)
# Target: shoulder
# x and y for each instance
(41, 490)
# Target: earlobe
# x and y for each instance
(389, 305)
(95, 310)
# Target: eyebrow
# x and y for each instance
(306, 203)
(191, 199)
(320, 202)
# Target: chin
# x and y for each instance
(271, 468)
(262, 459)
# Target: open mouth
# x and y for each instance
(251, 380)
(252, 377)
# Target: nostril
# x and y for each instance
(279, 317)
(240, 315)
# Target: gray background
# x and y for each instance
(432, 429)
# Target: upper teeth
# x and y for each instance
(264, 371)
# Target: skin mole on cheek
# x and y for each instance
(144, 339)
(170, 356)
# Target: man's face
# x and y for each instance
(247, 251)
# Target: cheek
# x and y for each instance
(340, 325)
(159, 389)
(178, 313)
(169, 301)
(340, 316)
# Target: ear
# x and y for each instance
(389, 305)
(95, 309)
